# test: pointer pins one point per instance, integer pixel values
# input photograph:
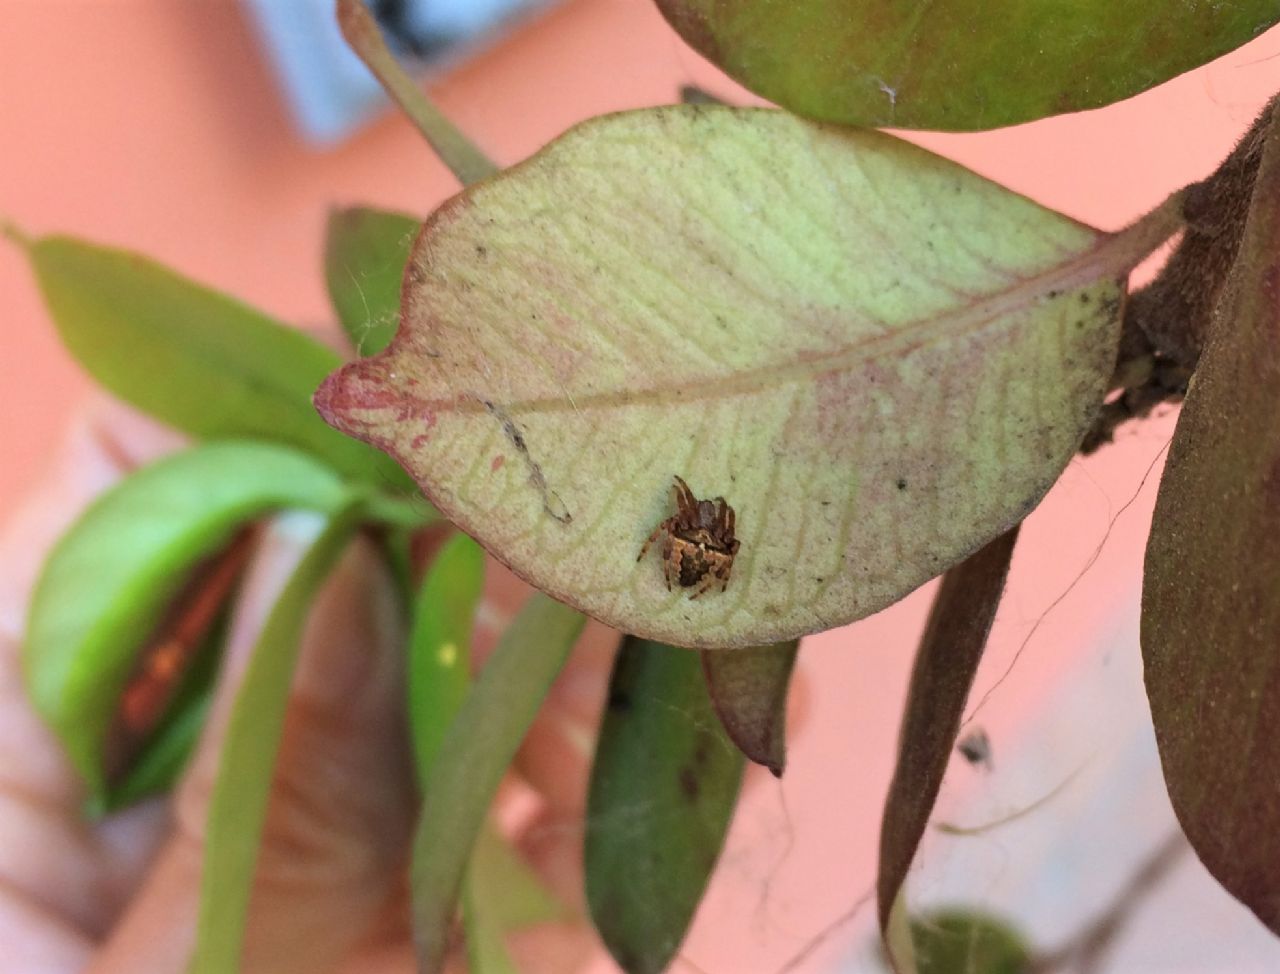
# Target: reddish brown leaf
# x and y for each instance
(749, 691)
(1211, 599)
(950, 650)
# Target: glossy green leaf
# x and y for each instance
(440, 645)
(748, 689)
(663, 789)
(365, 254)
(958, 65)
(238, 805)
(1211, 594)
(879, 359)
(948, 658)
(470, 763)
(108, 580)
(960, 940)
(193, 358)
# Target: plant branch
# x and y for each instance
(455, 150)
(1167, 322)
(1087, 948)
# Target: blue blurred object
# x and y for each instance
(329, 90)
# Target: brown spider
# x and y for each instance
(699, 545)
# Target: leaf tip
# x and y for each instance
(15, 234)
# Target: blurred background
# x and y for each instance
(214, 135)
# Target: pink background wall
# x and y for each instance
(154, 125)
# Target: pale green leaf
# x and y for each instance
(878, 358)
(109, 579)
(238, 806)
(471, 761)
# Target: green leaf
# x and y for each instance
(1211, 593)
(879, 359)
(511, 894)
(959, 940)
(748, 689)
(440, 646)
(470, 763)
(950, 650)
(364, 259)
(501, 891)
(109, 579)
(958, 65)
(193, 358)
(238, 806)
(663, 788)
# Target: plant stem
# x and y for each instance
(455, 150)
(1086, 949)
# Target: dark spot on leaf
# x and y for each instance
(902, 483)
(619, 701)
(689, 783)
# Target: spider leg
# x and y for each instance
(731, 523)
(704, 584)
(684, 496)
(644, 548)
(670, 560)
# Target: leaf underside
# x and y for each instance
(958, 64)
(1211, 594)
(748, 689)
(879, 359)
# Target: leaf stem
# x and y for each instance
(455, 150)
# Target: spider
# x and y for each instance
(699, 545)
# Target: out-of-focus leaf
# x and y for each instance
(364, 259)
(193, 358)
(512, 894)
(481, 742)
(663, 788)
(440, 646)
(502, 893)
(1211, 595)
(959, 940)
(164, 755)
(748, 689)
(881, 360)
(107, 582)
(501, 890)
(946, 662)
(958, 65)
(238, 806)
